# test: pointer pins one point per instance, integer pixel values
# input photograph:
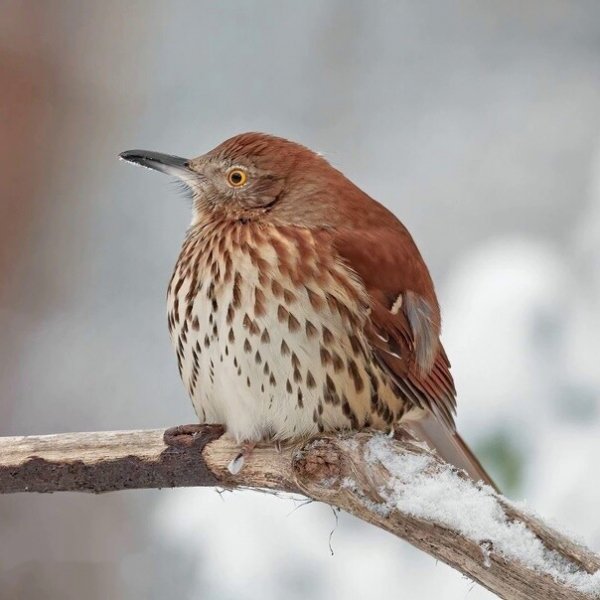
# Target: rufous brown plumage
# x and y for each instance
(299, 304)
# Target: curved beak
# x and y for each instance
(165, 163)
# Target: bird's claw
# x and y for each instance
(186, 436)
(236, 464)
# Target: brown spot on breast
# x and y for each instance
(310, 380)
(325, 356)
(329, 383)
(258, 358)
(276, 288)
(334, 304)
(210, 291)
(359, 384)
(263, 279)
(265, 338)
(259, 302)
(293, 323)
(251, 325)
(297, 376)
(188, 310)
(262, 265)
(311, 330)
(346, 408)
(228, 267)
(285, 349)
(178, 285)
(237, 290)
(192, 289)
(327, 336)
(289, 297)
(176, 309)
(338, 363)
(300, 399)
(282, 313)
(374, 385)
(230, 314)
(195, 324)
(388, 415)
(355, 343)
(247, 346)
(295, 360)
(288, 387)
(349, 413)
(330, 394)
(315, 300)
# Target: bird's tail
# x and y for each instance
(451, 447)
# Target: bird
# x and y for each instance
(300, 305)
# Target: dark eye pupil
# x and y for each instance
(236, 177)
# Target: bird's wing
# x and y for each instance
(404, 321)
(396, 347)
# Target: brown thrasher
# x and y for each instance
(299, 304)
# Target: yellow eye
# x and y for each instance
(237, 177)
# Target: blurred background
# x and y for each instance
(477, 123)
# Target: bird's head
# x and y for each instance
(257, 176)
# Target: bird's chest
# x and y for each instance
(264, 348)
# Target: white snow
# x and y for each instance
(448, 499)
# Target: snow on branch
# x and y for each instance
(395, 483)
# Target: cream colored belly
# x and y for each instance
(278, 368)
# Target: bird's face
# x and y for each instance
(255, 176)
(248, 173)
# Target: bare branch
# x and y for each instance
(366, 474)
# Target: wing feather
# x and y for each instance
(403, 334)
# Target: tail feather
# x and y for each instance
(451, 447)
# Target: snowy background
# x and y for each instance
(478, 123)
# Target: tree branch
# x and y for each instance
(397, 484)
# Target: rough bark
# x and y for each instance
(319, 468)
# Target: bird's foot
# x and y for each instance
(236, 464)
(186, 436)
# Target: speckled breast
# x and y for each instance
(267, 325)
